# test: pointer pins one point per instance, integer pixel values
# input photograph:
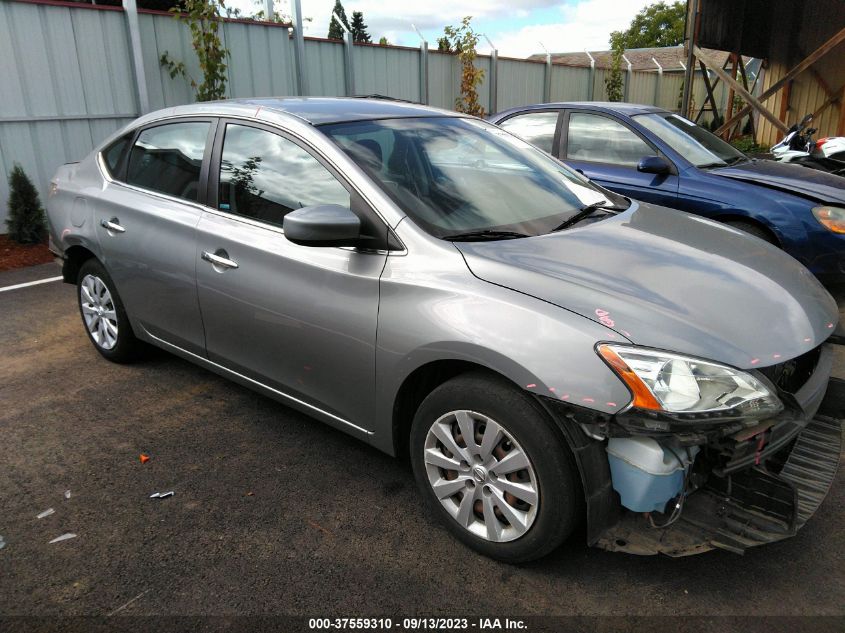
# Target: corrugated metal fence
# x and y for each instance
(68, 78)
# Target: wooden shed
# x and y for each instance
(802, 44)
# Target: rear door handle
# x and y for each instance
(112, 225)
(220, 258)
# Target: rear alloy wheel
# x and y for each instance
(490, 463)
(103, 315)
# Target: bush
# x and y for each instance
(26, 221)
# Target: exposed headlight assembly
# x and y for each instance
(831, 218)
(662, 381)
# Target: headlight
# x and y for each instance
(831, 218)
(678, 384)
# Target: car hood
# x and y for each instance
(669, 280)
(809, 183)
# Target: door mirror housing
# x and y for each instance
(654, 165)
(322, 225)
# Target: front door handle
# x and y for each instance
(220, 258)
(112, 225)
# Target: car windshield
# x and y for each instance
(693, 142)
(455, 176)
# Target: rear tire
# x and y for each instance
(483, 495)
(754, 229)
(103, 315)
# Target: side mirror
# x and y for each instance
(322, 225)
(654, 165)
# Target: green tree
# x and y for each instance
(203, 20)
(335, 31)
(359, 28)
(382, 41)
(659, 24)
(443, 45)
(26, 215)
(463, 40)
(613, 79)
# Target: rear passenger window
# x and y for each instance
(538, 128)
(265, 176)
(113, 154)
(168, 158)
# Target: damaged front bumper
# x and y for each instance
(755, 485)
(746, 508)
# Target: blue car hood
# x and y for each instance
(672, 281)
(809, 183)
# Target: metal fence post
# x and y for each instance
(299, 50)
(268, 10)
(657, 82)
(629, 75)
(591, 89)
(131, 10)
(348, 70)
(423, 67)
(547, 79)
(494, 77)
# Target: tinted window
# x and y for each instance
(600, 139)
(265, 176)
(113, 154)
(538, 128)
(168, 158)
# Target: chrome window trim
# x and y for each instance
(101, 165)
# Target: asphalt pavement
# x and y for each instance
(274, 513)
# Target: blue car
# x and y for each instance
(650, 154)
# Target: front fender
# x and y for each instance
(452, 315)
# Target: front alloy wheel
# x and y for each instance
(490, 462)
(481, 475)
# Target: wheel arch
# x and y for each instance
(74, 257)
(734, 216)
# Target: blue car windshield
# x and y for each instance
(455, 176)
(693, 142)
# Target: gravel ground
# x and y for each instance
(274, 513)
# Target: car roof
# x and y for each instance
(323, 110)
(625, 109)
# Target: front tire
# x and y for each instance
(103, 314)
(510, 491)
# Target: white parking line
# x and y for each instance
(31, 283)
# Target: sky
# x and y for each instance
(518, 28)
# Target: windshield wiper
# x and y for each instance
(583, 213)
(486, 234)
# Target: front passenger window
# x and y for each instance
(602, 140)
(265, 176)
(168, 158)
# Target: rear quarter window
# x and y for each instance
(114, 153)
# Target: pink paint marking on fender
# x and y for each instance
(588, 400)
(565, 396)
(531, 386)
(754, 361)
(611, 404)
(552, 389)
(775, 355)
(604, 317)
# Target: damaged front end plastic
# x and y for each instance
(681, 484)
